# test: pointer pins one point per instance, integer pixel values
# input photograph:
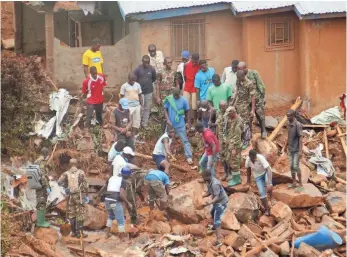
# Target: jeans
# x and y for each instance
(294, 162)
(182, 133)
(147, 105)
(217, 213)
(204, 160)
(98, 113)
(115, 212)
(261, 182)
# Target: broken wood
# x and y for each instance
(75, 248)
(342, 135)
(258, 249)
(295, 106)
(326, 144)
(339, 132)
(292, 249)
(314, 126)
(148, 157)
(254, 236)
(340, 180)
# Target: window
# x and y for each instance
(188, 35)
(279, 34)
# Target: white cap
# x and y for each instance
(128, 150)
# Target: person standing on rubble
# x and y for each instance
(294, 147)
(203, 80)
(76, 186)
(219, 202)
(179, 79)
(233, 136)
(262, 173)
(92, 88)
(93, 57)
(116, 149)
(123, 122)
(123, 160)
(42, 193)
(244, 103)
(254, 76)
(218, 92)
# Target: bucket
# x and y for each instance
(321, 240)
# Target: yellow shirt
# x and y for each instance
(91, 58)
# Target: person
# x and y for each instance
(218, 92)
(220, 124)
(254, 76)
(76, 186)
(233, 136)
(212, 148)
(116, 149)
(43, 192)
(179, 79)
(146, 76)
(207, 115)
(176, 107)
(262, 173)
(294, 147)
(92, 88)
(156, 58)
(93, 57)
(244, 103)
(189, 91)
(219, 202)
(229, 75)
(162, 152)
(132, 91)
(203, 80)
(123, 122)
(157, 182)
(123, 160)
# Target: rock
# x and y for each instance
(85, 144)
(24, 250)
(340, 187)
(229, 221)
(197, 230)
(267, 221)
(158, 227)
(281, 212)
(179, 229)
(95, 182)
(307, 251)
(8, 44)
(318, 178)
(268, 253)
(209, 254)
(281, 171)
(256, 229)
(309, 197)
(234, 240)
(270, 122)
(48, 235)
(282, 229)
(336, 202)
(94, 218)
(285, 248)
(245, 233)
(330, 223)
(320, 211)
(244, 206)
(185, 201)
(265, 147)
(206, 243)
(241, 188)
(41, 246)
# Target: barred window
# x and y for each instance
(279, 33)
(188, 35)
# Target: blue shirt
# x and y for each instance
(158, 175)
(181, 103)
(203, 80)
(113, 153)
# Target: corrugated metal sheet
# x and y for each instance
(253, 6)
(306, 8)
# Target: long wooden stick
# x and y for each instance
(339, 132)
(274, 133)
(326, 144)
(342, 135)
(292, 250)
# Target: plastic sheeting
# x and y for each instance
(324, 165)
(328, 116)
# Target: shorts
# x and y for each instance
(156, 190)
(135, 113)
(261, 182)
(158, 159)
(294, 162)
(191, 98)
(217, 213)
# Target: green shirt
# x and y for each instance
(217, 94)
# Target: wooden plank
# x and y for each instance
(314, 126)
(326, 145)
(342, 135)
(343, 142)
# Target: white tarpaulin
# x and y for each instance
(328, 116)
(87, 7)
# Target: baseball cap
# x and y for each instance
(124, 102)
(126, 171)
(185, 54)
(128, 150)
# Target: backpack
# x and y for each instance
(73, 183)
(34, 176)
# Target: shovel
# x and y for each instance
(65, 228)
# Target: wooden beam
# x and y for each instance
(343, 142)
(314, 126)
(342, 135)
(326, 145)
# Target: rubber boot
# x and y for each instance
(79, 229)
(41, 221)
(236, 179)
(266, 206)
(263, 129)
(73, 227)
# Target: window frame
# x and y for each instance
(269, 23)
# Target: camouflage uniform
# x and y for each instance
(220, 122)
(254, 76)
(41, 194)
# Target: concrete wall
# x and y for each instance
(323, 61)
(99, 29)
(68, 68)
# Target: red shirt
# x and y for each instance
(210, 138)
(94, 89)
(189, 76)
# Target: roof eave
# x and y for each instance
(262, 12)
(322, 16)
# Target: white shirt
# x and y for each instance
(112, 153)
(180, 69)
(114, 184)
(259, 166)
(157, 61)
(118, 164)
(229, 77)
(159, 148)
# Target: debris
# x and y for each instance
(159, 227)
(328, 116)
(285, 249)
(197, 230)
(229, 221)
(94, 218)
(48, 235)
(234, 240)
(270, 122)
(342, 139)
(330, 223)
(268, 221)
(281, 171)
(336, 202)
(320, 211)
(265, 147)
(324, 165)
(281, 212)
(307, 251)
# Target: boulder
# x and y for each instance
(186, 202)
(158, 227)
(281, 171)
(307, 251)
(206, 243)
(309, 197)
(48, 235)
(234, 240)
(285, 248)
(229, 221)
(336, 202)
(265, 147)
(267, 221)
(94, 218)
(180, 229)
(318, 178)
(281, 212)
(197, 230)
(244, 206)
(320, 211)
(270, 122)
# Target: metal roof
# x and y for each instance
(254, 6)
